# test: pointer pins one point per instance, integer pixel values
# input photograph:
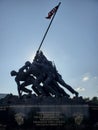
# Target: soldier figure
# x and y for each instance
(21, 76)
(52, 73)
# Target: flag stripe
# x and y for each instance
(52, 12)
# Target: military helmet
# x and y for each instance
(13, 73)
(27, 63)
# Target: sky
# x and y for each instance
(71, 42)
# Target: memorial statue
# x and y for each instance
(43, 76)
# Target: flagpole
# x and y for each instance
(48, 28)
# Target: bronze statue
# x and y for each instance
(43, 76)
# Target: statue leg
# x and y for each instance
(48, 86)
(28, 81)
(25, 89)
(36, 90)
(46, 92)
(60, 90)
(38, 86)
(61, 81)
(49, 89)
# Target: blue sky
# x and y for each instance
(71, 41)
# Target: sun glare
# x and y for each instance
(31, 57)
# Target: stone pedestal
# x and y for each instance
(44, 113)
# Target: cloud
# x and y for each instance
(80, 89)
(86, 84)
(86, 77)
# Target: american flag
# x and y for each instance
(50, 14)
